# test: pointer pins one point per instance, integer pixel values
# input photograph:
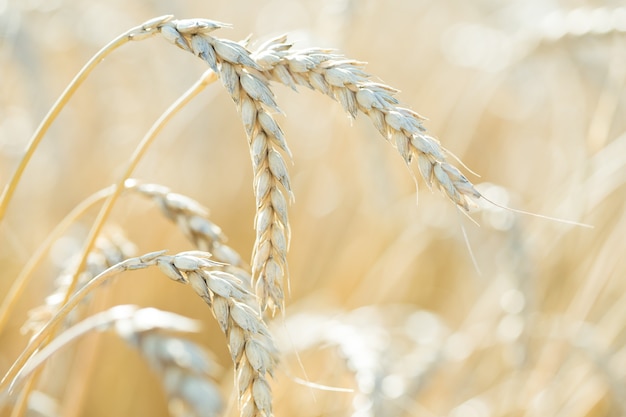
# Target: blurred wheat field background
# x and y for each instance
(387, 298)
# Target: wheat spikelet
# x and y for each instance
(237, 313)
(249, 89)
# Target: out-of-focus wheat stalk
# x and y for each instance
(184, 368)
(143, 31)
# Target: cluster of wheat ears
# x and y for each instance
(242, 297)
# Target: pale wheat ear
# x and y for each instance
(192, 219)
(247, 77)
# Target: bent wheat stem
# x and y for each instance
(207, 78)
(143, 31)
(20, 283)
(47, 330)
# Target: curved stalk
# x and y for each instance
(142, 31)
(207, 78)
(69, 302)
(23, 279)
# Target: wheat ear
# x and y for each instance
(184, 367)
(345, 81)
(192, 219)
(249, 89)
(235, 308)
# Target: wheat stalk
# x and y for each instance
(143, 31)
(235, 308)
(109, 250)
(184, 367)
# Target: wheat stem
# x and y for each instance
(48, 330)
(19, 285)
(142, 31)
(207, 78)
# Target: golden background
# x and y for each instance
(528, 94)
